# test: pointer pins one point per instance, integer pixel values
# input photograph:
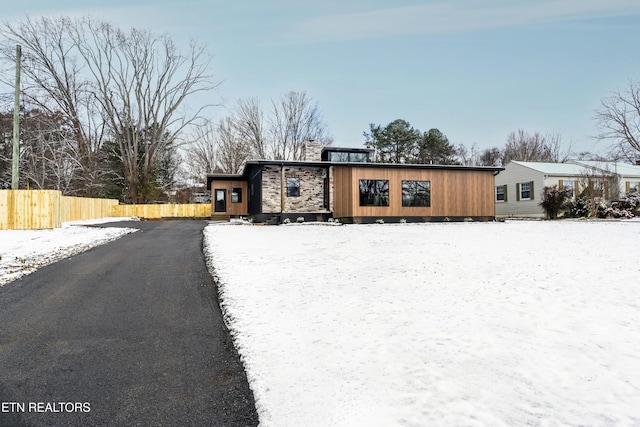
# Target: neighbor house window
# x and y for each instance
(416, 193)
(374, 192)
(525, 191)
(236, 195)
(633, 187)
(568, 186)
(501, 193)
(293, 187)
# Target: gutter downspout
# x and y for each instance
(282, 189)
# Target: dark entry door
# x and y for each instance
(220, 200)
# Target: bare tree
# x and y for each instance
(130, 88)
(295, 119)
(53, 82)
(248, 123)
(141, 81)
(202, 153)
(535, 147)
(48, 156)
(233, 150)
(618, 120)
(474, 157)
(597, 186)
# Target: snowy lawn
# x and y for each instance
(456, 324)
(24, 251)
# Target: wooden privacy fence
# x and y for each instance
(37, 209)
(164, 211)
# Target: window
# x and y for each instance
(374, 192)
(568, 185)
(346, 156)
(338, 157)
(501, 193)
(525, 191)
(633, 187)
(416, 193)
(293, 187)
(236, 195)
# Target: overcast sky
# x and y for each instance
(475, 69)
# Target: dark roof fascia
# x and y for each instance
(418, 166)
(316, 164)
(324, 164)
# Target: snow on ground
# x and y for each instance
(521, 323)
(24, 251)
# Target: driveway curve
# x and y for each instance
(129, 333)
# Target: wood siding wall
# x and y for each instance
(241, 208)
(453, 192)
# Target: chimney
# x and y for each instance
(312, 151)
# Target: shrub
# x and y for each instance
(628, 207)
(300, 219)
(576, 209)
(286, 221)
(554, 200)
(403, 221)
(379, 221)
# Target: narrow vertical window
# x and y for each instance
(293, 187)
(236, 195)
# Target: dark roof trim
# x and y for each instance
(418, 166)
(297, 163)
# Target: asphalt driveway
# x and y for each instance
(128, 333)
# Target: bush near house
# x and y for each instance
(628, 207)
(576, 209)
(554, 200)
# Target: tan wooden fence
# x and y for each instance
(164, 211)
(38, 209)
(29, 209)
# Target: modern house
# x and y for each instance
(519, 187)
(342, 183)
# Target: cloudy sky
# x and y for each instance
(475, 69)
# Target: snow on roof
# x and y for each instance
(623, 169)
(561, 169)
(578, 167)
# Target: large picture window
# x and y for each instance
(416, 193)
(374, 192)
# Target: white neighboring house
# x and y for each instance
(519, 186)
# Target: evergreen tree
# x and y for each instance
(399, 142)
(434, 148)
(394, 143)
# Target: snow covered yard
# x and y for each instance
(24, 251)
(456, 324)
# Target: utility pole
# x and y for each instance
(15, 165)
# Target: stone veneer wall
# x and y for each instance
(311, 197)
(312, 151)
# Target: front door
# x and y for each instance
(220, 204)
